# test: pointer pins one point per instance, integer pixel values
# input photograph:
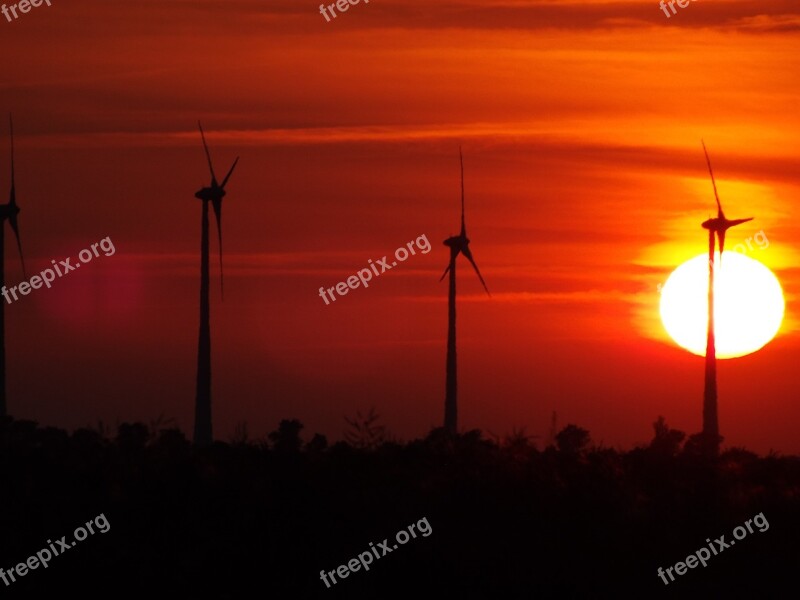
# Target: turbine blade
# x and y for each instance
(217, 204)
(468, 254)
(12, 201)
(713, 181)
(463, 225)
(228, 176)
(208, 154)
(721, 235)
(738, 222)
(446, 271)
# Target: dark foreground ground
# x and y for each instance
(260, 520)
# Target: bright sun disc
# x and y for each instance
(748, 303)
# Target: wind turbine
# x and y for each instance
(213, 194)
(7, 212)
(718, 226)
(459, 244)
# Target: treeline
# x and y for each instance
(569, 520)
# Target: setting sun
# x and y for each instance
(748, 302)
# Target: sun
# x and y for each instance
(748, 300)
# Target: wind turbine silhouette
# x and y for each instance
(718, 226)
(7, 212)
(214, 194)
(459, 244)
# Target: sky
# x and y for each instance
(580, 124)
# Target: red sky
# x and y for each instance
(585, 181)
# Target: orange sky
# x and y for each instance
(586, 184)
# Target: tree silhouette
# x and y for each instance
(572, 440)
(317, 445)
(703, 444)
(240, 435)
(364, 432)
(666, 441)
(287, 438)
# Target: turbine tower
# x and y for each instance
(214, 194)
(718, 226)
(7, 212)
(459, 244)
